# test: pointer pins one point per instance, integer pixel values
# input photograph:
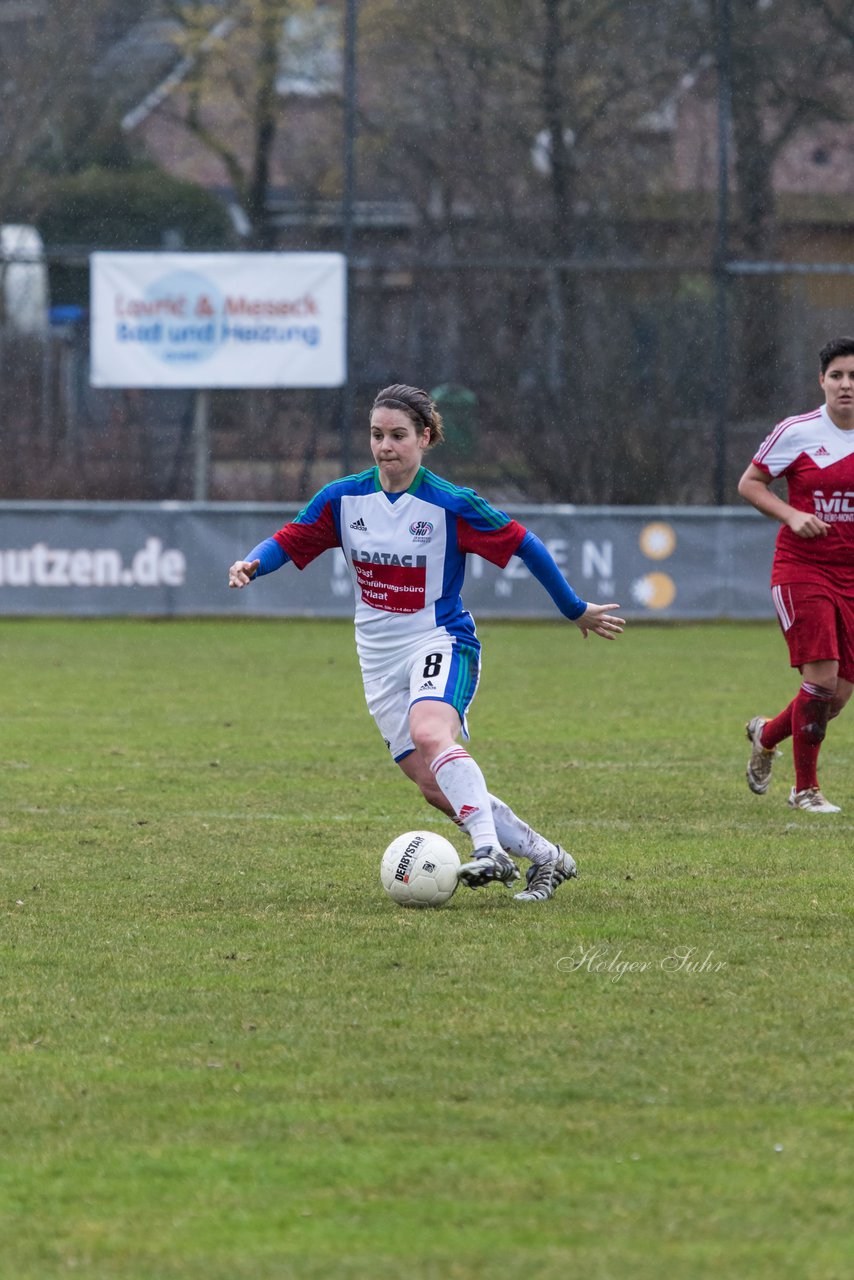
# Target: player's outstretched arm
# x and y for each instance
(267, 557)
(586, 616)
(599, 619)
(242, 572)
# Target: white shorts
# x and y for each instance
(440, 669)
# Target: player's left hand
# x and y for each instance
(598, 619)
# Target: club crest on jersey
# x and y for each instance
(421, 530)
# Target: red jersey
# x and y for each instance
(817, 459)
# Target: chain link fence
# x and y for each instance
(559, 382)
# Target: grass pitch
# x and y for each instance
(226, 1055)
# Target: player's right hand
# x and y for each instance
(805, 524)
(242, 572)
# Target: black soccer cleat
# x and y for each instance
(488, 864)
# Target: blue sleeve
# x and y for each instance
(271, 555)
(535, 556)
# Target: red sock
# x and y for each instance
(810, 711)
(774, 731)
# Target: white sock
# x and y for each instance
(461, 780)
(517, 837)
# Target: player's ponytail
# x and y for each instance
(417, 406)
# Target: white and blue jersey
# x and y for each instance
(405, 553)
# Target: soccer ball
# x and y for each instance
(419, 869)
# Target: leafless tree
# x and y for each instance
(47, 50)
(230, 100)
(513, 127)
(790, 70)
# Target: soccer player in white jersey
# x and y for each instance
(812, 580)
(405, 533)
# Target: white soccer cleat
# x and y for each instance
(544, 877)
(761, 758)
(811, 801)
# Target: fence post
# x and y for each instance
(201, 444)
(719, 269)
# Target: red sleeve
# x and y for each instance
(494, 545)
(305, 542)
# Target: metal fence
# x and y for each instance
(560, 382)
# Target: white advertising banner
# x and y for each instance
(200, 320)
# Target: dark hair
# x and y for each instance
(417, 406)
(833, 350)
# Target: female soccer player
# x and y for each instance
(812, 580)
(405, 533)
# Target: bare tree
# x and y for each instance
(46, 54)
(789, 72)
(513, 128)
(230, 100)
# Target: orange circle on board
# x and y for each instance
(658, 590)
(657, 540)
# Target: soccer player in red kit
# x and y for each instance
(812, 579)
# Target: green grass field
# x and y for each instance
(226, 1055)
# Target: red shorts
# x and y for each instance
(818, 625)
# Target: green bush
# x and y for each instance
(131, 209)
